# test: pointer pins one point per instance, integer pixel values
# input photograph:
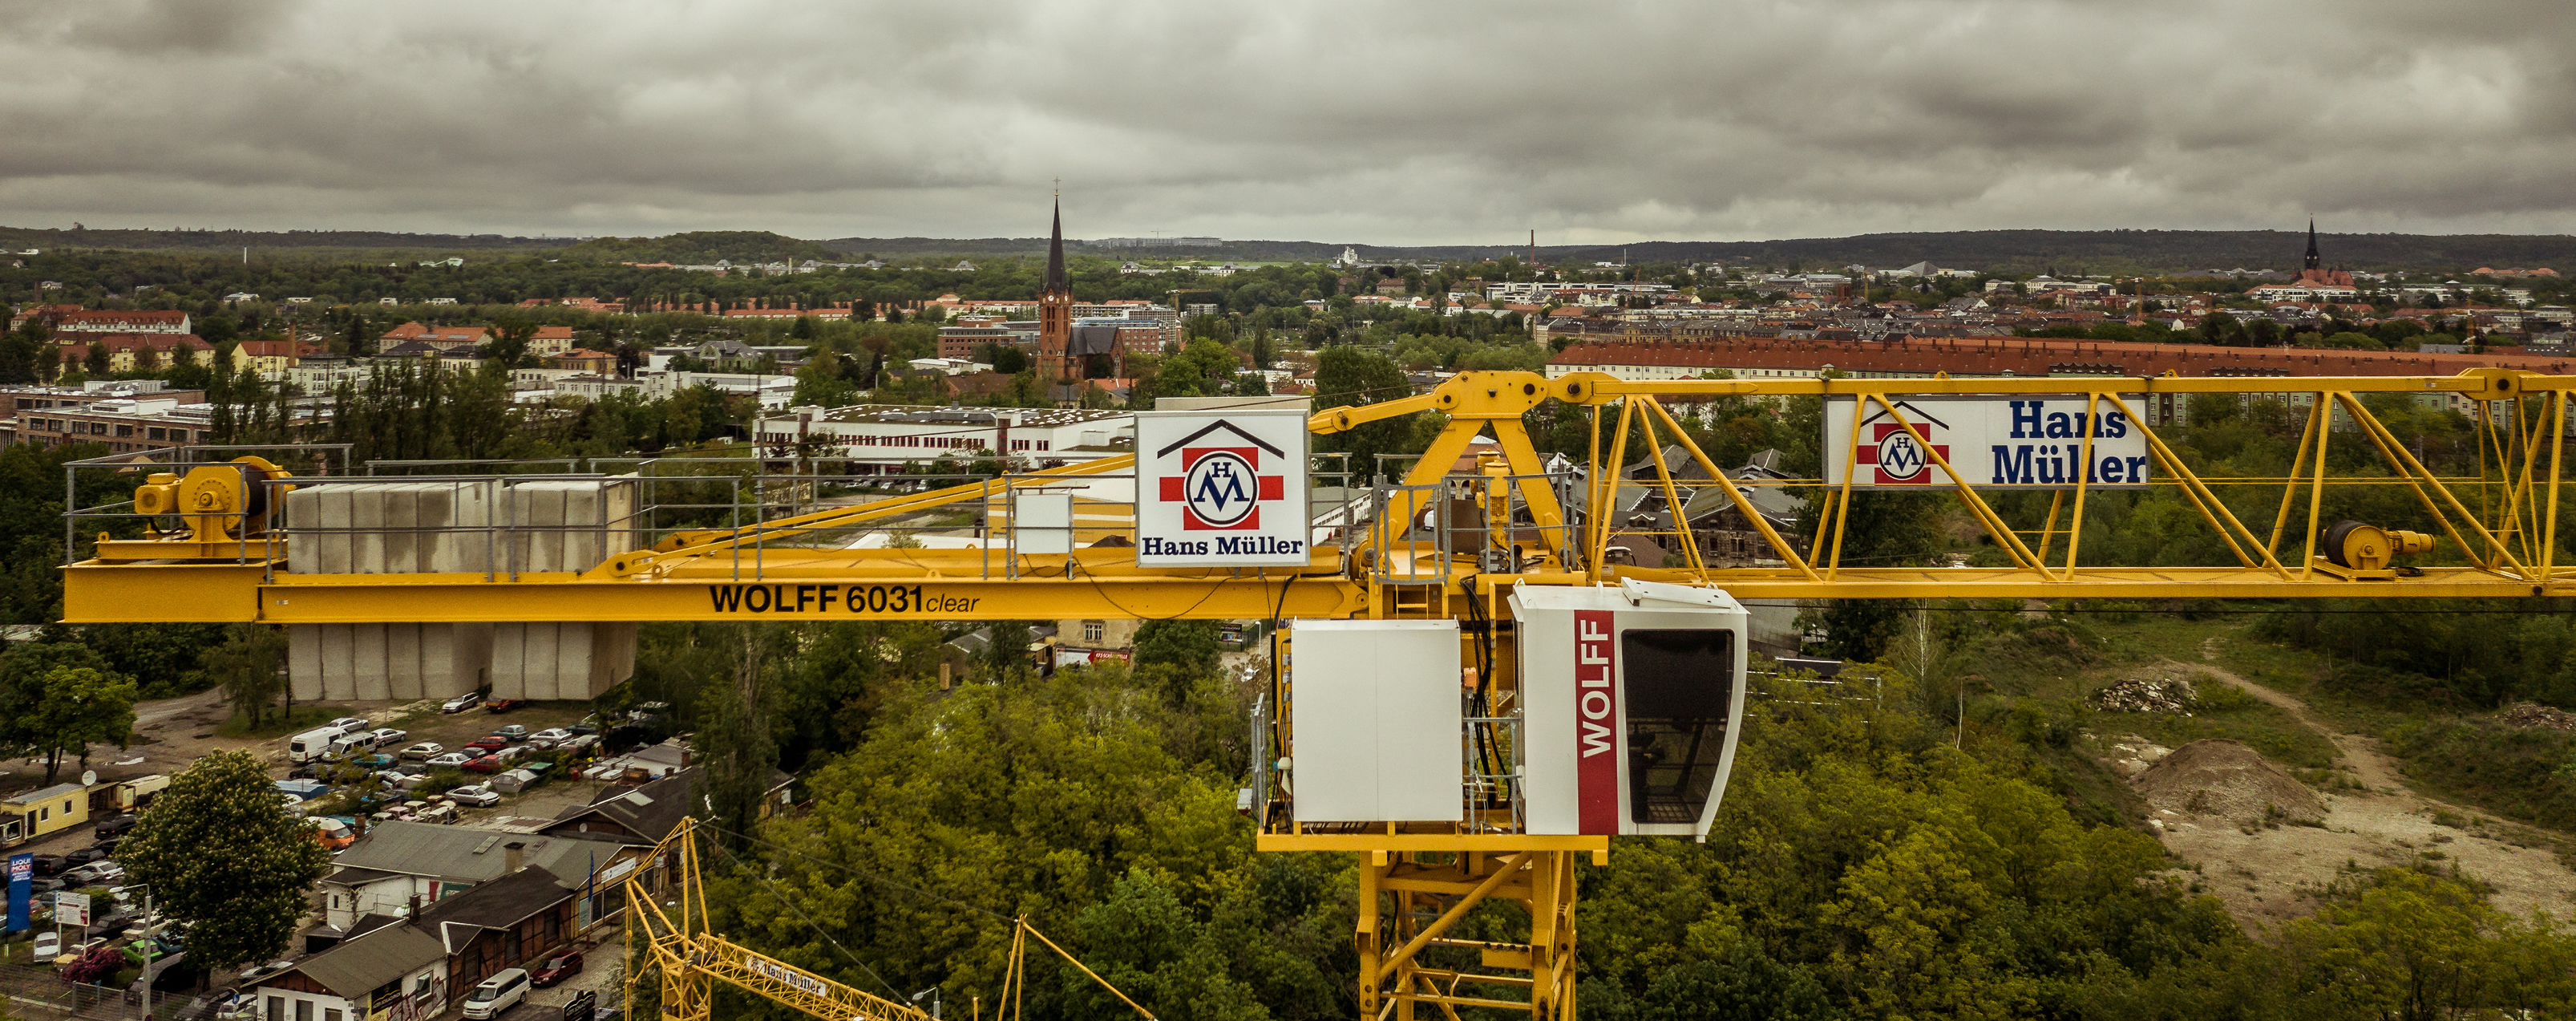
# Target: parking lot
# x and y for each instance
(171, 734)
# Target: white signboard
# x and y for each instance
(1221, 489)
(71, 908)
(2034, 441)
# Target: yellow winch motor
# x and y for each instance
(227, 500)
(2361, 547)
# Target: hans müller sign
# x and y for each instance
(2037, 441)
(1221, 489)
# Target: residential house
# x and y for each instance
(271, 358)
(586, 360)
(551, 341)
(399, 864)
(407, 965)
(136, 352)
(435, 338)
(390, 970)
(122, 321)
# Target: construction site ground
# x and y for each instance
(2268, 867)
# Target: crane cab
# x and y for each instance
(1631, 704)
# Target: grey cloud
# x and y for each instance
(1385, 123)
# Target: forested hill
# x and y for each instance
(49, 238)
(2109, 251)
(704, 247)
(2065, 251)
(2061, 251)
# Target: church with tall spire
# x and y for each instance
(2312, 271)
(1055, 359)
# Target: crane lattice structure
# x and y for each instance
(1480, 518)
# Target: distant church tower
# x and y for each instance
(1055, 311)
(2312, 261)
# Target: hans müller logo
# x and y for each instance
(1221, 487)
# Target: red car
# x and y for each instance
(486, 764)
(503, 705)
(493, 743)
(556, 969)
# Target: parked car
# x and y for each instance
(109, 845)
(116, 825)
(50, 864)
(486, 764)
(390, 736)
(46, 885)
(450, 760)
(49, 945)
(588, 725)
(97, 873)
(76, 860)
(514, 732)
(350, 724)
(260, 971)
(555, 969)
(497, 994)
(461, 703)
(442, 813)
(423, 750)
(550, 737)
(503, 705)
(482, 745)
(478, 795)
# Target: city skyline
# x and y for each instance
(1305, 122)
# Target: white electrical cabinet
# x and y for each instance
(1375, 720)
(1631, 702)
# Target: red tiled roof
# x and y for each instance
(2033, 356)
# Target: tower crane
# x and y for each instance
(1491, 689)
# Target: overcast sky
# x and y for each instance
(1404, 123)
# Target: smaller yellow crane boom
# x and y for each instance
(691, 956)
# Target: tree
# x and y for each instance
(245, 665)
(222, 855)
(1346, 376)
(96, 363)
(81, 706)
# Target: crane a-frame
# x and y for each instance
(1480, 519)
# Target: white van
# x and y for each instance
(312, 744)
(497, 994)
(362, 741)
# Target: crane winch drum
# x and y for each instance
(1631, 701)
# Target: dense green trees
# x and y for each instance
(222, 855)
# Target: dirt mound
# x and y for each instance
(2531, 716)
(2225, 778)
(2147, 695)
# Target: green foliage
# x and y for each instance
(246, 665)
(2417, 946)
(703, 247)
(1349, 377)
(162, 658)
(222, 855)
(80, 706)
(1086, 801)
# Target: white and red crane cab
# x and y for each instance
(1631, 701)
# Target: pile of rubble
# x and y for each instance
(2148, 695)
(2227, 779)
(2532, 716)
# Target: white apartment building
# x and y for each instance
(887, 436)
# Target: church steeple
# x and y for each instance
(1055, 361)
(1055, 282)
(2312, 261)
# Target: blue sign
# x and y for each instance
(22, 877)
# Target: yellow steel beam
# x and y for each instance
(212, 595)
